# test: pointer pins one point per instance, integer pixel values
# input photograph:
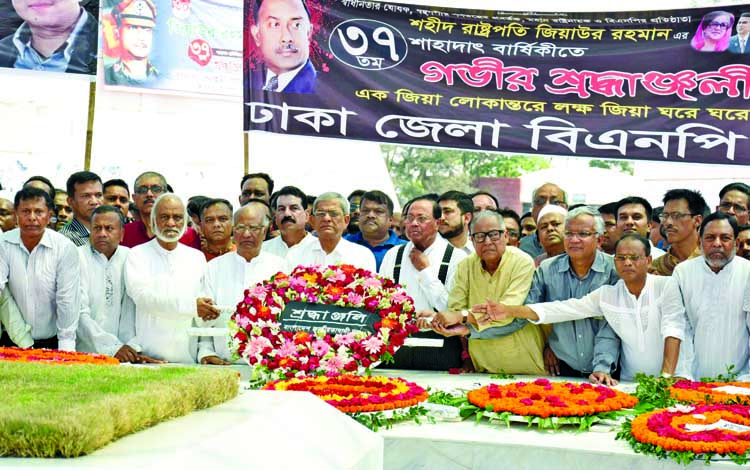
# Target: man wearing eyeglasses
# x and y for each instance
(504, 274)
(329, 219)
(230, 274)
(681, 219)
(149, 186)
(650, 329)
(734, 202)
(548, 193)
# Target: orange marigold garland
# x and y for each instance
(709, 392)
(53, 356)
(357, 394)
(687, 432)
(544, 398)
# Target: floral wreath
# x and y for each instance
(707, 392)
(356, 394)
(277, 354)
(53, 356)
(682, 431)
(550, 404)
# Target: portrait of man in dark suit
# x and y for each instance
(738, 43)
(282, 32)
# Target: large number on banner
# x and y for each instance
(368, 44)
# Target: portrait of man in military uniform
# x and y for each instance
(135, 21)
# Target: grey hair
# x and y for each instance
(154, 210)
(151, 174)
(496, 216)
(331, 196)
(246, 207)
(587, 210)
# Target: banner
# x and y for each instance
(185, 46)
(49, 36)
(654, 85)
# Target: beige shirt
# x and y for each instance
(520, 352)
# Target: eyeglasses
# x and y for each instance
(331, 214)
(631, 258)
(738, 209)
(420, 220)
(541, 201)
(252, 229)
(717, 25)
(580, 235)
(674, 215)
(154, 188)
(494, 235)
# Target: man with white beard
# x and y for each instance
(163, 277)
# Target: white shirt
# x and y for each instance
(284, 79)
(225, 282)
(656, 252)
(278, 247)
(717, 322)
(642, 323)
(44, 284)
(107, 319)
(424, 286)
(164, 286)
(345, 252)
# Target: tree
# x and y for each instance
(418, 170)
(622, 165)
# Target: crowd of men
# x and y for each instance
(577, 291)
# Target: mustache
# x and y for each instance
(289, 218)
(287, 48)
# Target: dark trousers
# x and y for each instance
(426, 358)
(49, 343)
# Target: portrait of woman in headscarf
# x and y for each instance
(713, 32)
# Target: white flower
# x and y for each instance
(681, 409)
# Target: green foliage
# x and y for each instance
(621, 165)
(69, 411)
(441, 397)
(731, 376)
(653, 392)
(502, 375)
(378, 419)
(417, 170)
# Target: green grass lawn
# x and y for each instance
(72, 410)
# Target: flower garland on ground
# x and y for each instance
(53, 356)
(549, 404)
(687, 432)
(277, 354)
(544, 398)
(707, 392)
(356, 394)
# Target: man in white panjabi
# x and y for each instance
(163, 277)
(230, 274)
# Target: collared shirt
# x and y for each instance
(44, 283)
(135, 234)
(588, 342)
(164, 286)
(225, 282)
(642, 323)
(520, 352)
(531, 246)
(664, 265)
(378, 250)
(717, 321)
(283, 79)
(76, 232)
(277, 246)
(468, 248)
(655, 251)
(107, 319)
(30, 59)
(424, 286)
(345, 252)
